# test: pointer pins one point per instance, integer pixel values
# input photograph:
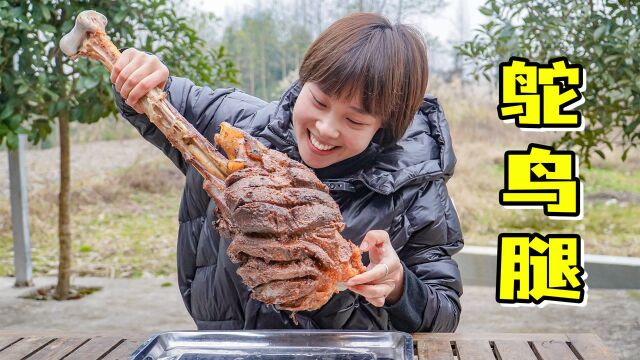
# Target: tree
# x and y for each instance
(265, 50)
(269, 43)
(44, 86)
(603, 37)
(397, 10)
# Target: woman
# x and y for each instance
(359, 118)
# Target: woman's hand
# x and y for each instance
(384, 279)
(135, 73)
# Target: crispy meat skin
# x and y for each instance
(285, 228)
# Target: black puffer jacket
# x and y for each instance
(400, 189)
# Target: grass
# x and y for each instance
(611, 179)
(634, 294)
(612, 187)
(107, 129)
(610, 224)
(614, 233)
(122, 226)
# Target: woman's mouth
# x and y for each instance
(318, 146)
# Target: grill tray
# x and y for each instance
(276, 344)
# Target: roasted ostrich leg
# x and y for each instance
(284, 225)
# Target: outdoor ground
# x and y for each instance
(149, 306)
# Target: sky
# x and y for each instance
(442, 26)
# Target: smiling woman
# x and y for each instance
(361, 75)
(360, 118)
(329, 130)
(373, 67)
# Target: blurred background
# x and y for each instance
(124, 194)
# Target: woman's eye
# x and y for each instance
(355, 122)
(318, 102)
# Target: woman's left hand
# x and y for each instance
(384, 279)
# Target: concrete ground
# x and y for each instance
(144, 306)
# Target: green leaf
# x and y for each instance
(600, 31)
(23, 89)
(610, 58)
(600, 153)
(53, 95)
(6, 112)
(598, 50)
(629, 128)
(88, 83)
(44, 9)
(48, 28)
(486, 11)
(12, 141)
(625, 153)
(51, 109)
(14, 122)
(118, 17)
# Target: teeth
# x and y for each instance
(319, 145)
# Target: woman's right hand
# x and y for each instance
(135, 73)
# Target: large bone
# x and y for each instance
(88, 39)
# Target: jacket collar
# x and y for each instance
(424, 153)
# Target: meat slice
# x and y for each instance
(283, 291)
(257, 271)
(239, 195)
(244, 247)
(285, 228)
(265, 218)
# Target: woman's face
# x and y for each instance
(329, 130)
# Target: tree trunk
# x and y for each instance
(64, 226)
(283, 59)
(263, 69)
(319, 20)
(304, 13)
(252, 77)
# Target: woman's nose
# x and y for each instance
(327, 128)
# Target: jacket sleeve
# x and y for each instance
(203, 107)
(432, 285)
